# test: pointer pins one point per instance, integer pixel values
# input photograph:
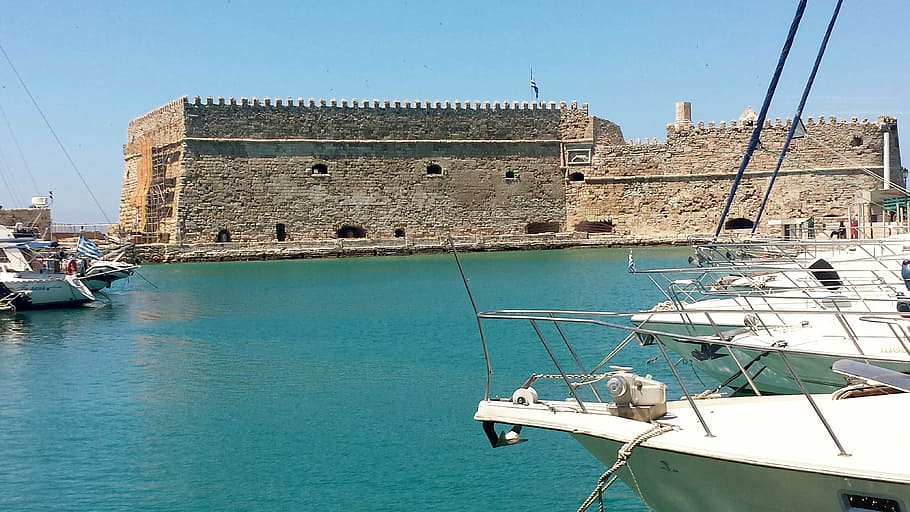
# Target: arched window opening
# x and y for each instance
(223, 236)
(434, 169)
(534, 228)
(739, 223)
(280, 232)
(399, 232)
(320, 169)
(577, 176)
(597, 226)
(347, 231)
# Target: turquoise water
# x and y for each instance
(296, 385)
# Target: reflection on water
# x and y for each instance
(295, 385)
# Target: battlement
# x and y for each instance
(781, 123)
(382, 104)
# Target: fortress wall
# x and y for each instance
(719, 148)
(194, 168)
(375, 120)
(249, 187)
(152, 165)
(607, 133)
(681, 205)
(680, 186)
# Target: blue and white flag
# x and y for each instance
(87, 248)
(631, 262)
(534, 84)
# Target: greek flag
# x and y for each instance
(534, 84)
(87, 248)
(631, 262)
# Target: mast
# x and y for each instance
(798, 117)
(756, 132)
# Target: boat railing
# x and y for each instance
(769, 278)
(575, 374)
(756, 315)
(746, 252)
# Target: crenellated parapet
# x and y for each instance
(383, 120)
(381, 104)
(778, 123)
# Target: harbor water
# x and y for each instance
(327, 384)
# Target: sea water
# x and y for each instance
(329, 385)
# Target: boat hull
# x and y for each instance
(758, 454)
(43, 293)
(101, 273)
(664, 481)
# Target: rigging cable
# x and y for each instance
(797, 118)
(12, 135)
(54, 133)
(753, 142)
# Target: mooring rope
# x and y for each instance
(622, 456)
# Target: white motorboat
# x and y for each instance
(27, 282)
(837, 451)
(29, 279)
(816, 325)
(101, 273)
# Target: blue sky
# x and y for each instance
(94, 66)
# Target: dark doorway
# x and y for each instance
(351, 232)
(534, 228)
(280, 232)
(223, 236)
(739, 223)
(589, 226)
(434, 169)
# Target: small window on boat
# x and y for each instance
(223, 236)
(577, 176)
(434, 169)
(320, 169)
(825, 274)
(348, 231)
(865, 503)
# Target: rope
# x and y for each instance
(54, 133)
(622, 456)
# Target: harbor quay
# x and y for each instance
(353, 247)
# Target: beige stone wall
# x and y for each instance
(680, 186)
(152, 165)
(196, 168)
(378, 187)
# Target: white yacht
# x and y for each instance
(32, 279)
(832, 451)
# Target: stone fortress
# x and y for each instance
(273, 170)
